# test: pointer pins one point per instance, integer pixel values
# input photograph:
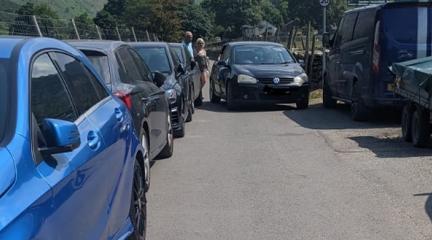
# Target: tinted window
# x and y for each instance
(86, 91)
(144, 69)
(128, 69)
(404, 20)
(348, 27)
(100, 63)
(178, 51)
(365, 25)
(250, 54)
(3, 96)
(49, 98)
(156, 59)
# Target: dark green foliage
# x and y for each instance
(197, 20)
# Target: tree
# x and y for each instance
(311, 10)
(85, 26)
(196, 20)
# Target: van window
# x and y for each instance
(365, 25)
(402, 20)
(348, 27)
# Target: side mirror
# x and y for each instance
(61, 136)
(326, 40)
(159, 79)
(302, 63)
(181, 69)
(222, 64)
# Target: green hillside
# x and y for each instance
(64, 8)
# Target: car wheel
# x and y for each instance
(189, 111)
(406, 122)
(303, 103)
(359, 111)
(146, 159)
(328, 100)
(420, 128)
(199, 100)
(230, 102)
(138, 208)
(213, 98)
(168, 150)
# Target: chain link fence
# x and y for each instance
(37, 26)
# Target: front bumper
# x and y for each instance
(270, 93)
(176, 116)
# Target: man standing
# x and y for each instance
(187, 44)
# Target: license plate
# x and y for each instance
(391, 87)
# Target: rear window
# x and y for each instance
(101, 64)
(3, 96)
(404, 20)
(156, 59)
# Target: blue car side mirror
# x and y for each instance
(60, 136)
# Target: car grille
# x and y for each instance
(270, 80)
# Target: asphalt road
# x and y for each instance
(278, 173)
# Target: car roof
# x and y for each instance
(242, 43)
(101, 45)
(8, 44)
(387, 5)
(149, 44)
(175, 44)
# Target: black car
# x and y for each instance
(159, 58)
(258, 72)
(193, 72)
(132, 81)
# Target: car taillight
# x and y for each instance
(126, 98)
(376, 50)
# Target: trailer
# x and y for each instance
(414, 83)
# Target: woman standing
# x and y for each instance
(202, 60)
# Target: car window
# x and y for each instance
(178, 51)
(86, 91)
(128, 69)
(175, 58)
(365, 25)
(348, 27)
(142, 67)
(226, 54)
(156, 59)
(101, 64)
(49, 98)
(3, 96)
(261, 54)
(404, 20)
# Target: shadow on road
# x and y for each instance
(221, 107)
(391, 147)
(428, 204)
(318, 117)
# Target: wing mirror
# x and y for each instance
(181, 69)
(60, 136)
(159, 79)
(222, 64)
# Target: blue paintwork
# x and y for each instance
(83, 194)
(61, 133)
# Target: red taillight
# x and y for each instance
(376, 50)
(126, 98)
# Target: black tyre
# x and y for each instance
(189, 111)
(328, 100)
(303, 103)
(230, 102)
(420, 128)
(138, 208)
(168, 150)
(213, 97)
(199, 100)
(406, 122)
(359, 111)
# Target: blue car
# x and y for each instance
(71, 165)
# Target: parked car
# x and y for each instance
(158, 57)
(193, 72)
(258, 72)
(132, 81)
(71, 165)
(367, 42)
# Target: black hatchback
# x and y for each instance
(258, 72)
(132, 81)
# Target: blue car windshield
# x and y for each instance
(3, 96)
(156, 59)
(261, 54)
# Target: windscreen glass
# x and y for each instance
(256, 55)
(156, 59)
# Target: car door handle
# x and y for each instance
(93, 140)
(119, 114)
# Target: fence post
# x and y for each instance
(76, 29)
(134, 35)
(37, 26)
(148, 36)
(98, 32)
(118, 33)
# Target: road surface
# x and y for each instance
(278, 173)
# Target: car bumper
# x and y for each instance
(261, 93)
(176, 116)
(385, 102)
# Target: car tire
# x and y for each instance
(420, 128)
(146, 158)
(230, 102)
(199, 100)
(303, 103)
(359, 111)
(138, 208)
(189, 111)
(328, 100)
(213, 98)
(168, 150)
(406, 122)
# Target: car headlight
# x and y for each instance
(245, 79)
(171, 95)
(301, 79)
